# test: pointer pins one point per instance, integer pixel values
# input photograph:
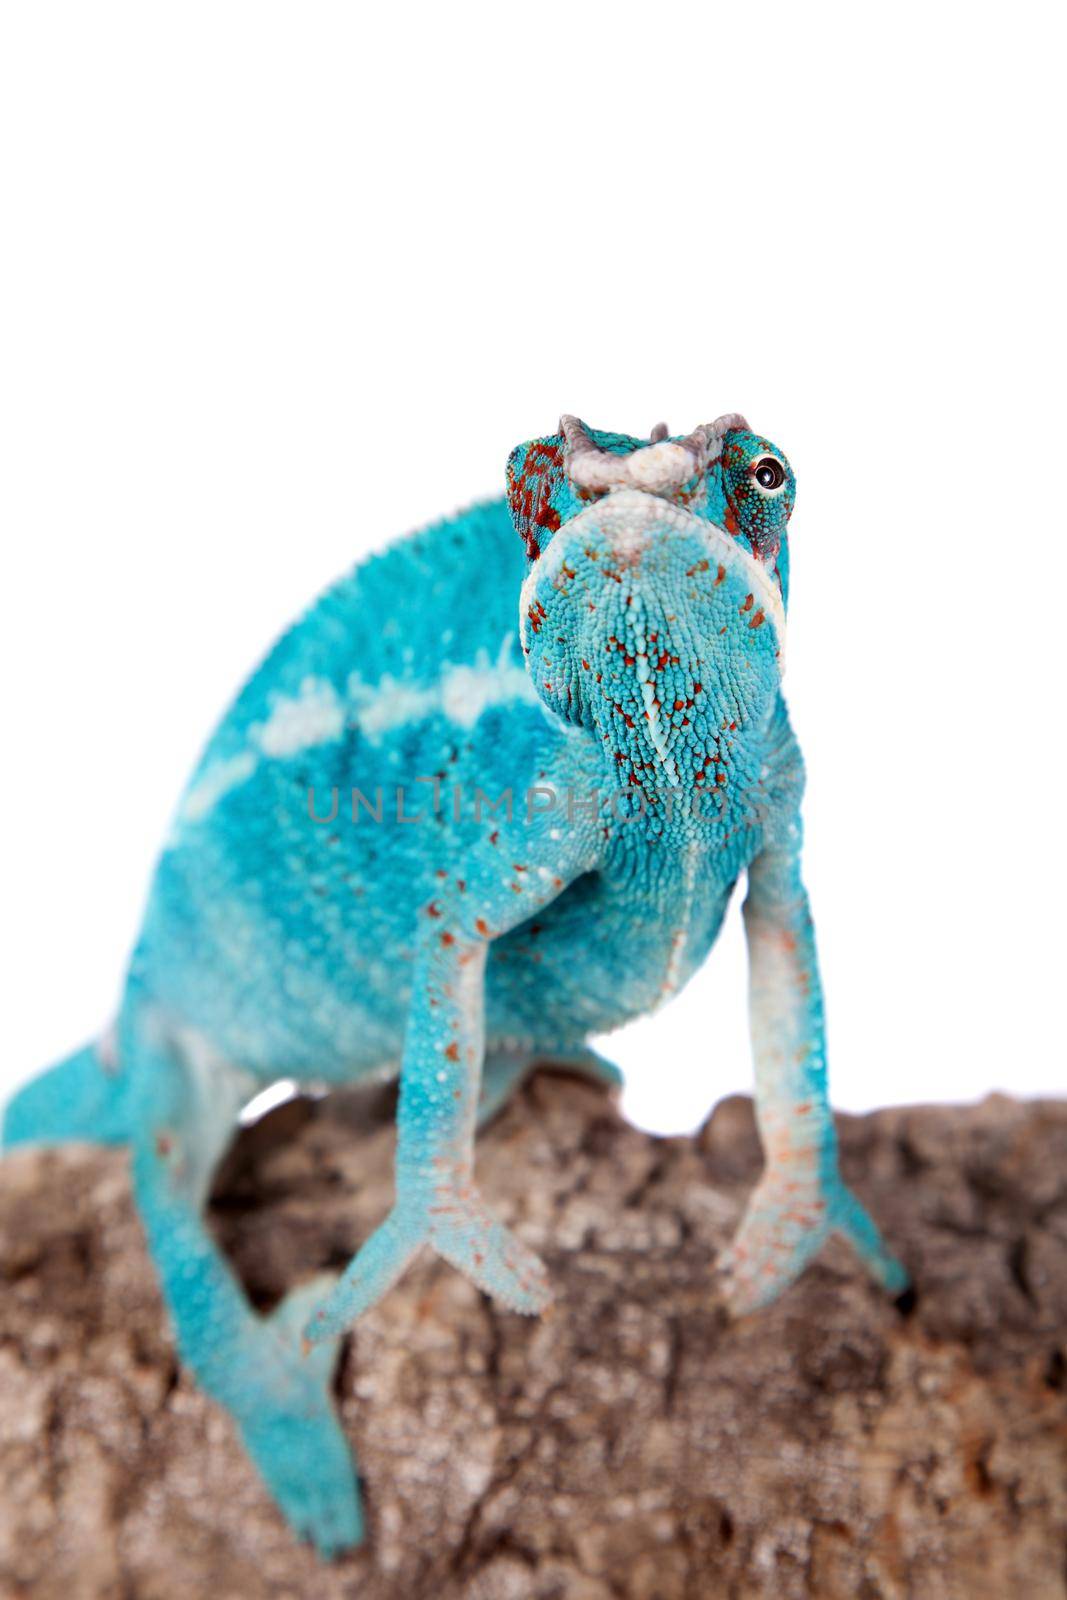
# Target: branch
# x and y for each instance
(635, 1444)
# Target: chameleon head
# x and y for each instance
(658, 577)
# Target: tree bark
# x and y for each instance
(636, 1443)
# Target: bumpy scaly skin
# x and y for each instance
(617, 671)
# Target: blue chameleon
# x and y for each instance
(487, 799)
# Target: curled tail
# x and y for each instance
(82, 1097)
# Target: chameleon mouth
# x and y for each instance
(633, 524)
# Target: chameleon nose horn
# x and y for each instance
(659, 467)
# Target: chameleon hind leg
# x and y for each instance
(185, 1104)
(84, 1097)
(505, 1071)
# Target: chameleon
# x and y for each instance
(486, 800)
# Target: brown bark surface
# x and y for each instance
(635, 1444)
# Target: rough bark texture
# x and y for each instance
(635, 1444)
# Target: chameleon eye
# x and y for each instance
(769, 474)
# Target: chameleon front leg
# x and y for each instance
(800, 1199)
(437, 1200)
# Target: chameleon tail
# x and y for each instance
(83, 1097)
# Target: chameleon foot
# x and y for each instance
(465, 1232)
(291, 1431)
(785, 1226)
(462, 1229)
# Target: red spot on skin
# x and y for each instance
(679, 705)
(701, 566)
(433, 909)
(732, 524)
(516, 867)
(585, 664)
(746, 604)
(697, 688)
(482, 926)
(461, 885)
(440, 873)
(164, 1145)
(531, 493)
(494, 836)
(452, 1051)
(446, 938)
(758, 620)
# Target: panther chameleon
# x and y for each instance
(486, 800)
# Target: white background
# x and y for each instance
(280, 282)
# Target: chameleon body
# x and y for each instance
(488, 798)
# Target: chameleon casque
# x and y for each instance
(486, 799)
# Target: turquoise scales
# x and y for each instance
(586, 725)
